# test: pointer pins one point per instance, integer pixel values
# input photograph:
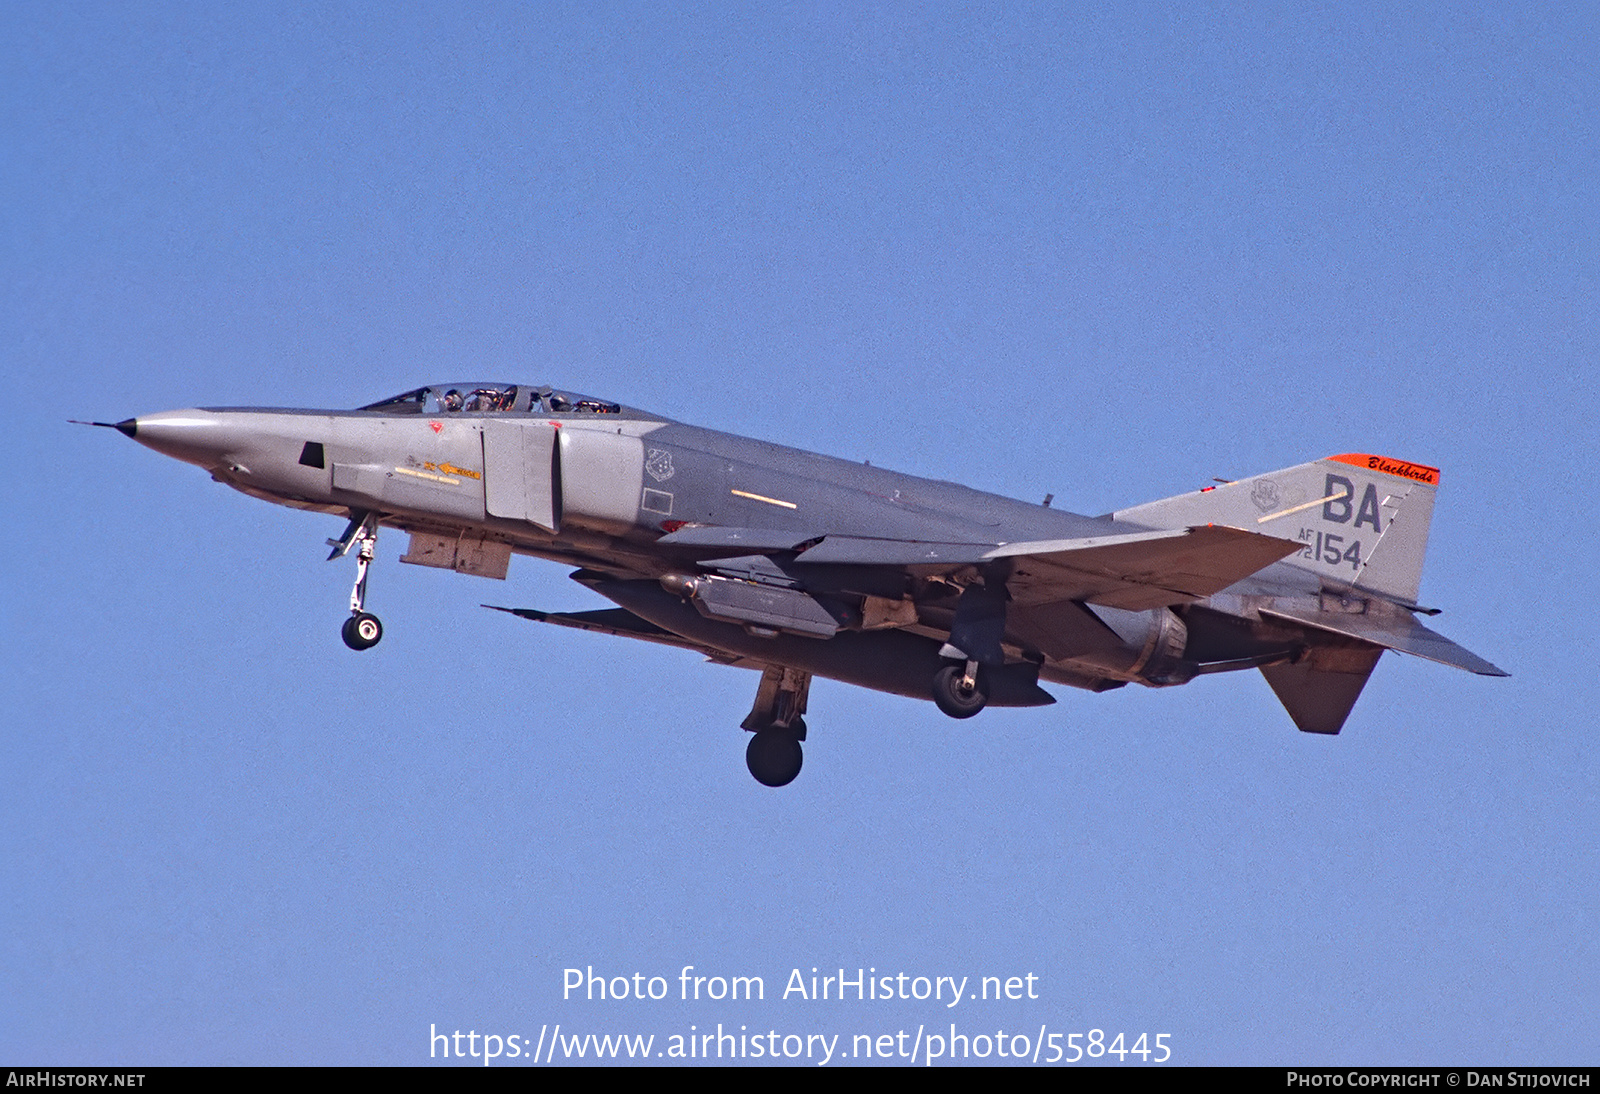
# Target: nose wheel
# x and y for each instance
(362, 630)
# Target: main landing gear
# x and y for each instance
(975, 636)
(774, 757)
(958, 691)
(775, 721)
(362, 630)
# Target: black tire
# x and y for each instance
(774, 757)
(362, 632)
(952, 698)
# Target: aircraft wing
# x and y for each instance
(1141, 571)
(1392, 632)
(625, 624)
(1137, 571)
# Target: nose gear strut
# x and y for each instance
(362, 630)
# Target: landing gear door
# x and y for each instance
(520, 474)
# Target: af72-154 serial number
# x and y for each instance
(1329, 548)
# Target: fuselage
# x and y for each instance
(617, 479)
(476, 472)
(801, 565)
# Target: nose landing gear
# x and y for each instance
(362, 630)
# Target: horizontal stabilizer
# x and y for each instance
(1318, 700)
(1393, 632)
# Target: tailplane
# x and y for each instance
(1362, 525)
(1320, 698)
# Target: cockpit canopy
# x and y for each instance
(490, 398)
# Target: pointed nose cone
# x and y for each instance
(193, 436)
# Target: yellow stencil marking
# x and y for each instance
(758, 497)
(447, 480)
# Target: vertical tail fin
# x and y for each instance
(1361, 520)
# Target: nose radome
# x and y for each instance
(194, 436)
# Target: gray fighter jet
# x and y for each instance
(798, 565)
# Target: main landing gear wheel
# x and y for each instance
(774, 757)
(361, 631)
(953, 695)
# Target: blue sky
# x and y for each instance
(1104, 253)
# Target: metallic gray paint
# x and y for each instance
(771, 557)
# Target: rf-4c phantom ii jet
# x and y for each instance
(798, 565)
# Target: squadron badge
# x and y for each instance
(659, 465)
